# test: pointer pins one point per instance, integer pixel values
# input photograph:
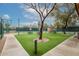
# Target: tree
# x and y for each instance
(6, 23)
(57, 14)
(1, 27)
(58, 25)
(7, 27)
(73, 19)
(77, 10)
(45, 26)
(70, 9)
(43, 11)
(39, 24)
(64, 13)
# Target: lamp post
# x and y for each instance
(18, 25)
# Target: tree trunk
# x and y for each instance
(63, 29)
(78, 35)
(64, 32)
(77, 10)
(66, 25)
(41, 31)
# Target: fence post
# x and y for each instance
(35, 46)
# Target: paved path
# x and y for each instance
(70, 47)
(12, 47)
(2, 42)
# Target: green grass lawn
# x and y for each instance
(26, 41)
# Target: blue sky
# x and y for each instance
(15, 12)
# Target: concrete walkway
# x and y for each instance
(2, 42)
(12, 47)
(70, 47)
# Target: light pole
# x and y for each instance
(18, 25)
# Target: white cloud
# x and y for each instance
(30, 10)
(34, 23)
(26, 16)
(35, 17)
(6, 16)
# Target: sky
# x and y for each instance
(15, 11)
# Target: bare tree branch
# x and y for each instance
(41, 12)
(47, 8)
(37, 11)
(49, 11)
